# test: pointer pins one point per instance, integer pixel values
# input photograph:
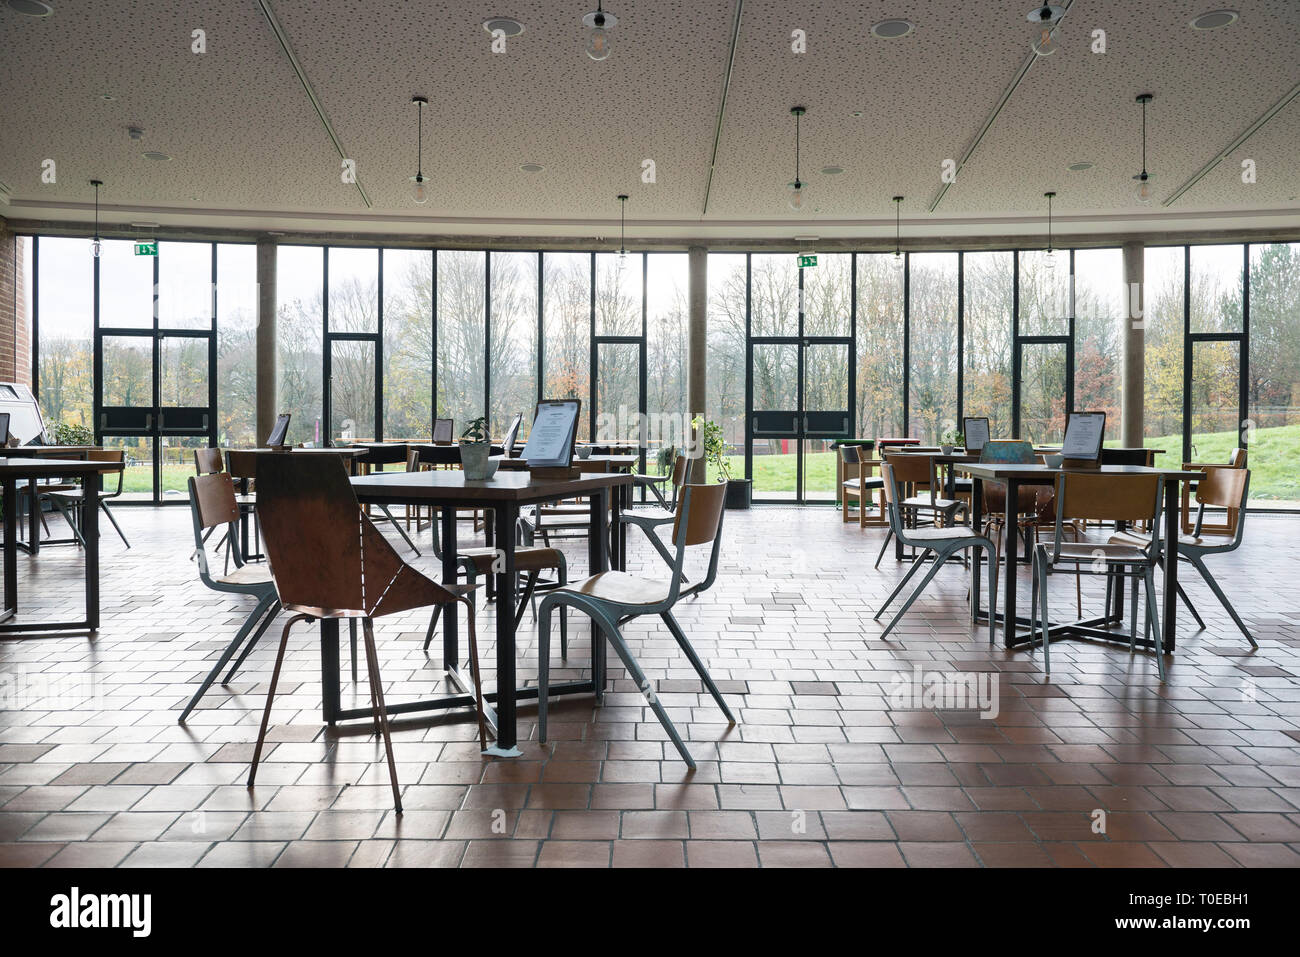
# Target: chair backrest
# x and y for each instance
(207, 461)
(109, 455)
(212, 503)
(849, 455)
(1107, 497)
(412, 460)
(976, 430)
(1223, 487)
(1237, 459)
(443, 430)
(698, 522)
(910, 467)
(324, 552)
(241, 464)
(508, 444)
(894, 495)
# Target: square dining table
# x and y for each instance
(1014, 476)
(505, 494)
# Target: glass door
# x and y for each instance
(155, 383)
(618, 393)
(1214, 399)
(801, 405)
(1044, 388)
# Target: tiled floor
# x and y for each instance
(1101, 765)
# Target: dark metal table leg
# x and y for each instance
(90, 534)
(1013, 547)
(596, 563)
(450, 653)
(10, 549)
(977, 521)
(505, 515)
(1169, 622)
(33, 517)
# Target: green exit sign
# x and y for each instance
(806, 262)
(146, 249)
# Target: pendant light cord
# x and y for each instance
(796, 148)
(419, 157)
(1144, 137)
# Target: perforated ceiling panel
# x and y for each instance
(249, 149)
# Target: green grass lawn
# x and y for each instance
(1274, 464)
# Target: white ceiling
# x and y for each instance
(251, 152)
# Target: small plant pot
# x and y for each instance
(474, 459)
(947, 449)
(738, 493)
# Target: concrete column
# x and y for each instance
(1134, 344)
(267, 395)
(697, 339)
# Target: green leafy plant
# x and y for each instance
(715, 447)
(69, 433)
(475, 432)
(666, 457)
(953, 437)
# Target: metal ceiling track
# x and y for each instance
(997, 110)
(1232, 147)
(283, 39)
(722, 107)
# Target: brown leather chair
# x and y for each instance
(329, 560)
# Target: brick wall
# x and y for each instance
(15, 344)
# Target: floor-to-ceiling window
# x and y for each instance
(65, 335)
(408, 344)
(1273, 383)
(353, 343)
(566, 330)
(880, 378)
(300, 298)
(727, 331)
(461, 319)
(1162, 328)
(1099, 316)
(236, 345)
(667, 315)
(988, 288)
(932, 345)
(513, 365)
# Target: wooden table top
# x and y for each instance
(349, 451)
(451, 487)
(35, 451)
(997, 470)
(621, 461)
(24, 467)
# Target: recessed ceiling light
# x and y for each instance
(1079, 167)
(107, 96)
(856, 113)
(155, 155)
(511, 28)
(806, 239)
(832, 170)
(532, 167)
(1215, 19)
(892, 29)
(31, 8)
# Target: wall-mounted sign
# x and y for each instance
(807, 262)
(147, 249)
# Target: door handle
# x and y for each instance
(162, 421)
(148, 421)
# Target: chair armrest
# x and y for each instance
(649, 479)
(645, 522)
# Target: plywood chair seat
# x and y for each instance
(527, 558)
(621, 588)
(1111, 551)
(246, 575)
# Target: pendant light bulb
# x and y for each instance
(1143, 179)
(797, 190)
(898, 246)
(419, 191)
(599, 44)
(1045, 18)
(96, 247)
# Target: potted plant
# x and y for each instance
(475, 450)
(950, 440)
(715, 447)
(665, 458)
(69, 433)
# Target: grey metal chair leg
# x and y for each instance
(1223, 599)
(1044, 620)
(67, 517)
(696, 663)
(937, 564)
(270, 695)
(884, 545)
(231, 648)
(1190, 607)
(916, 566)
(377, 700)
(252, 643)
(993, 593)
(400, 531)
(1133, 602)
(563, 577)
(638, 676)
(104, 506)
(1153, 616)
(544, 665)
